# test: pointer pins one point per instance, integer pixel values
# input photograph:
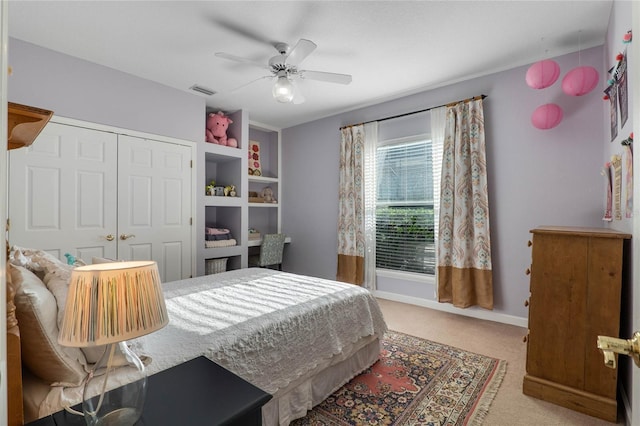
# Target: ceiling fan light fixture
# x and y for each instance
(283, 90)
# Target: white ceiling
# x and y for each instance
(391, 48)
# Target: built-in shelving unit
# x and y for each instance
(229, 166)
(266, 217)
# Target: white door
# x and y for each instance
(154, 200)
(62, 193)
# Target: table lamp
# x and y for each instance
(107, 304)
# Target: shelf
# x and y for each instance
(216, 252)
(25, 124)
(263, 179)
(218, 201)
(221, 153)
(264, 205)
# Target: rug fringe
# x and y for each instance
(481, 409)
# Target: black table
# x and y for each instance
(197, 392)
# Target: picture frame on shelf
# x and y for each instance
(255, 168)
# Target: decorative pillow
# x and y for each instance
(39, 262)
(36, 311)
(56, 275)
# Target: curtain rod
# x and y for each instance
(475, 98)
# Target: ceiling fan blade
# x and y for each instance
(298, 97)
(301, 50)
(329, 77)
(241, 60)
(251, 82)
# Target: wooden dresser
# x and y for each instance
(575, 284)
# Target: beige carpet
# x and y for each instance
(510, 407)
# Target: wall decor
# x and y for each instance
(580, 81)
(255, 168)
(542, 74)
(612, 97)
(616, 163)
(621, 82)
(546, 116)
(628, 155)
(606, 172)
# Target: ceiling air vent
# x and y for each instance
(202, 89)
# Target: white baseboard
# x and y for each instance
(446, 307)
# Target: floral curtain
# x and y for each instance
(351, 245)
(464, 248)
(370, 143)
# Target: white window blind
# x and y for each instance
(405, 206)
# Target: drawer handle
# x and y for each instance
(525, 338)
(526, 303)
(529, 243)
(528, 271)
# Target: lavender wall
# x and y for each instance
(536, 177)
(82, 90)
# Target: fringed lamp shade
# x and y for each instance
(542, 74)
(112, 302)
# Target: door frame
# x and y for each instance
(635, 241)
(4, 40)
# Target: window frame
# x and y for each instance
(395, 273)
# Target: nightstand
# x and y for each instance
(197, 392)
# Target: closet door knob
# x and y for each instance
(109, 237)
(126, 236)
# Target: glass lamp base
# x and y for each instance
(118, 417)
(107, 403)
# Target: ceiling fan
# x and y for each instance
(284, 68)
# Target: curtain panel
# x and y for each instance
(370, 184)
(464, 248)
(351, 236)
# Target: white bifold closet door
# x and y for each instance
(94, 193)
(154, 204)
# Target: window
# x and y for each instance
(405, 206)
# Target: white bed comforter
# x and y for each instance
(268, 327)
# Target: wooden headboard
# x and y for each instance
(24, 124)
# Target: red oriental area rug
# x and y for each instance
(415, 382)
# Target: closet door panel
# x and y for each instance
(154, 207)
(63, 192)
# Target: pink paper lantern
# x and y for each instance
(580, 81)
(542, 74)
(546, 116)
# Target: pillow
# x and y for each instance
(36, 311)
(39, 262)
(56, 275)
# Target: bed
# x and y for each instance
(296, 337)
